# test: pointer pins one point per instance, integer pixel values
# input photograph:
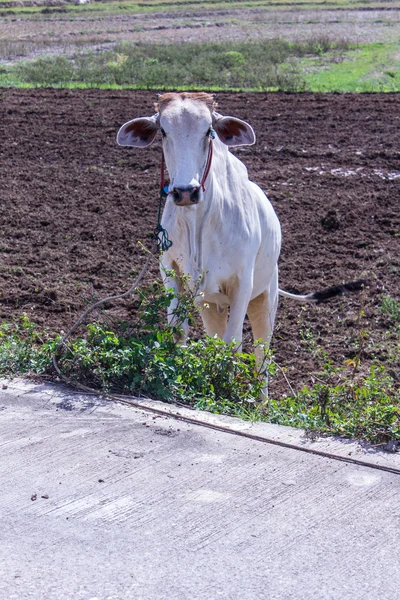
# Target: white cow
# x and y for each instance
(222, 225)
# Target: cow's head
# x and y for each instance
(186, 121)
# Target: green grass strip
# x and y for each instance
(317, 64)
(370, 68)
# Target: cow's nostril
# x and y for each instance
(186, 196)
(195, 195)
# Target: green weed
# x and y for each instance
(270, 64)
(390, 308)
(24, 348)
(365, 407)
(142, 358)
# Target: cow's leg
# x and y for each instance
(174, 283)
(239, 301)
(214, 320)
(261, 312)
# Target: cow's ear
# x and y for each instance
(139, 132)
(232, 131)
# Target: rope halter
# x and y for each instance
(207, 168)
(161, 234)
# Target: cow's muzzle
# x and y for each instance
(186, 196)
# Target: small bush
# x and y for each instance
(47, 71)
(208, 371)
(142, 357)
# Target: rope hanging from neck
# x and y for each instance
(161, 234)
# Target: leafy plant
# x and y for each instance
(23, 348)
(142, 357)
(390, 308)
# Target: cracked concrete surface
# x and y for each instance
(104, 502)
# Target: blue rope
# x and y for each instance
(161, 234)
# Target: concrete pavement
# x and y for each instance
(100, 501)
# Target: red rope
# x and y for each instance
(208, 165)
(162, 178)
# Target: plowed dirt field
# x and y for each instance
(74, 205)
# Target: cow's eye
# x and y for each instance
(163, 132)
(210, 133)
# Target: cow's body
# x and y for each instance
(224, 230)
(232, 241)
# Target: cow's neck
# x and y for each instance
(197, 223)
(192, 222)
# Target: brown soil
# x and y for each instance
(74, 205)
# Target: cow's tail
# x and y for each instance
(328, 293)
